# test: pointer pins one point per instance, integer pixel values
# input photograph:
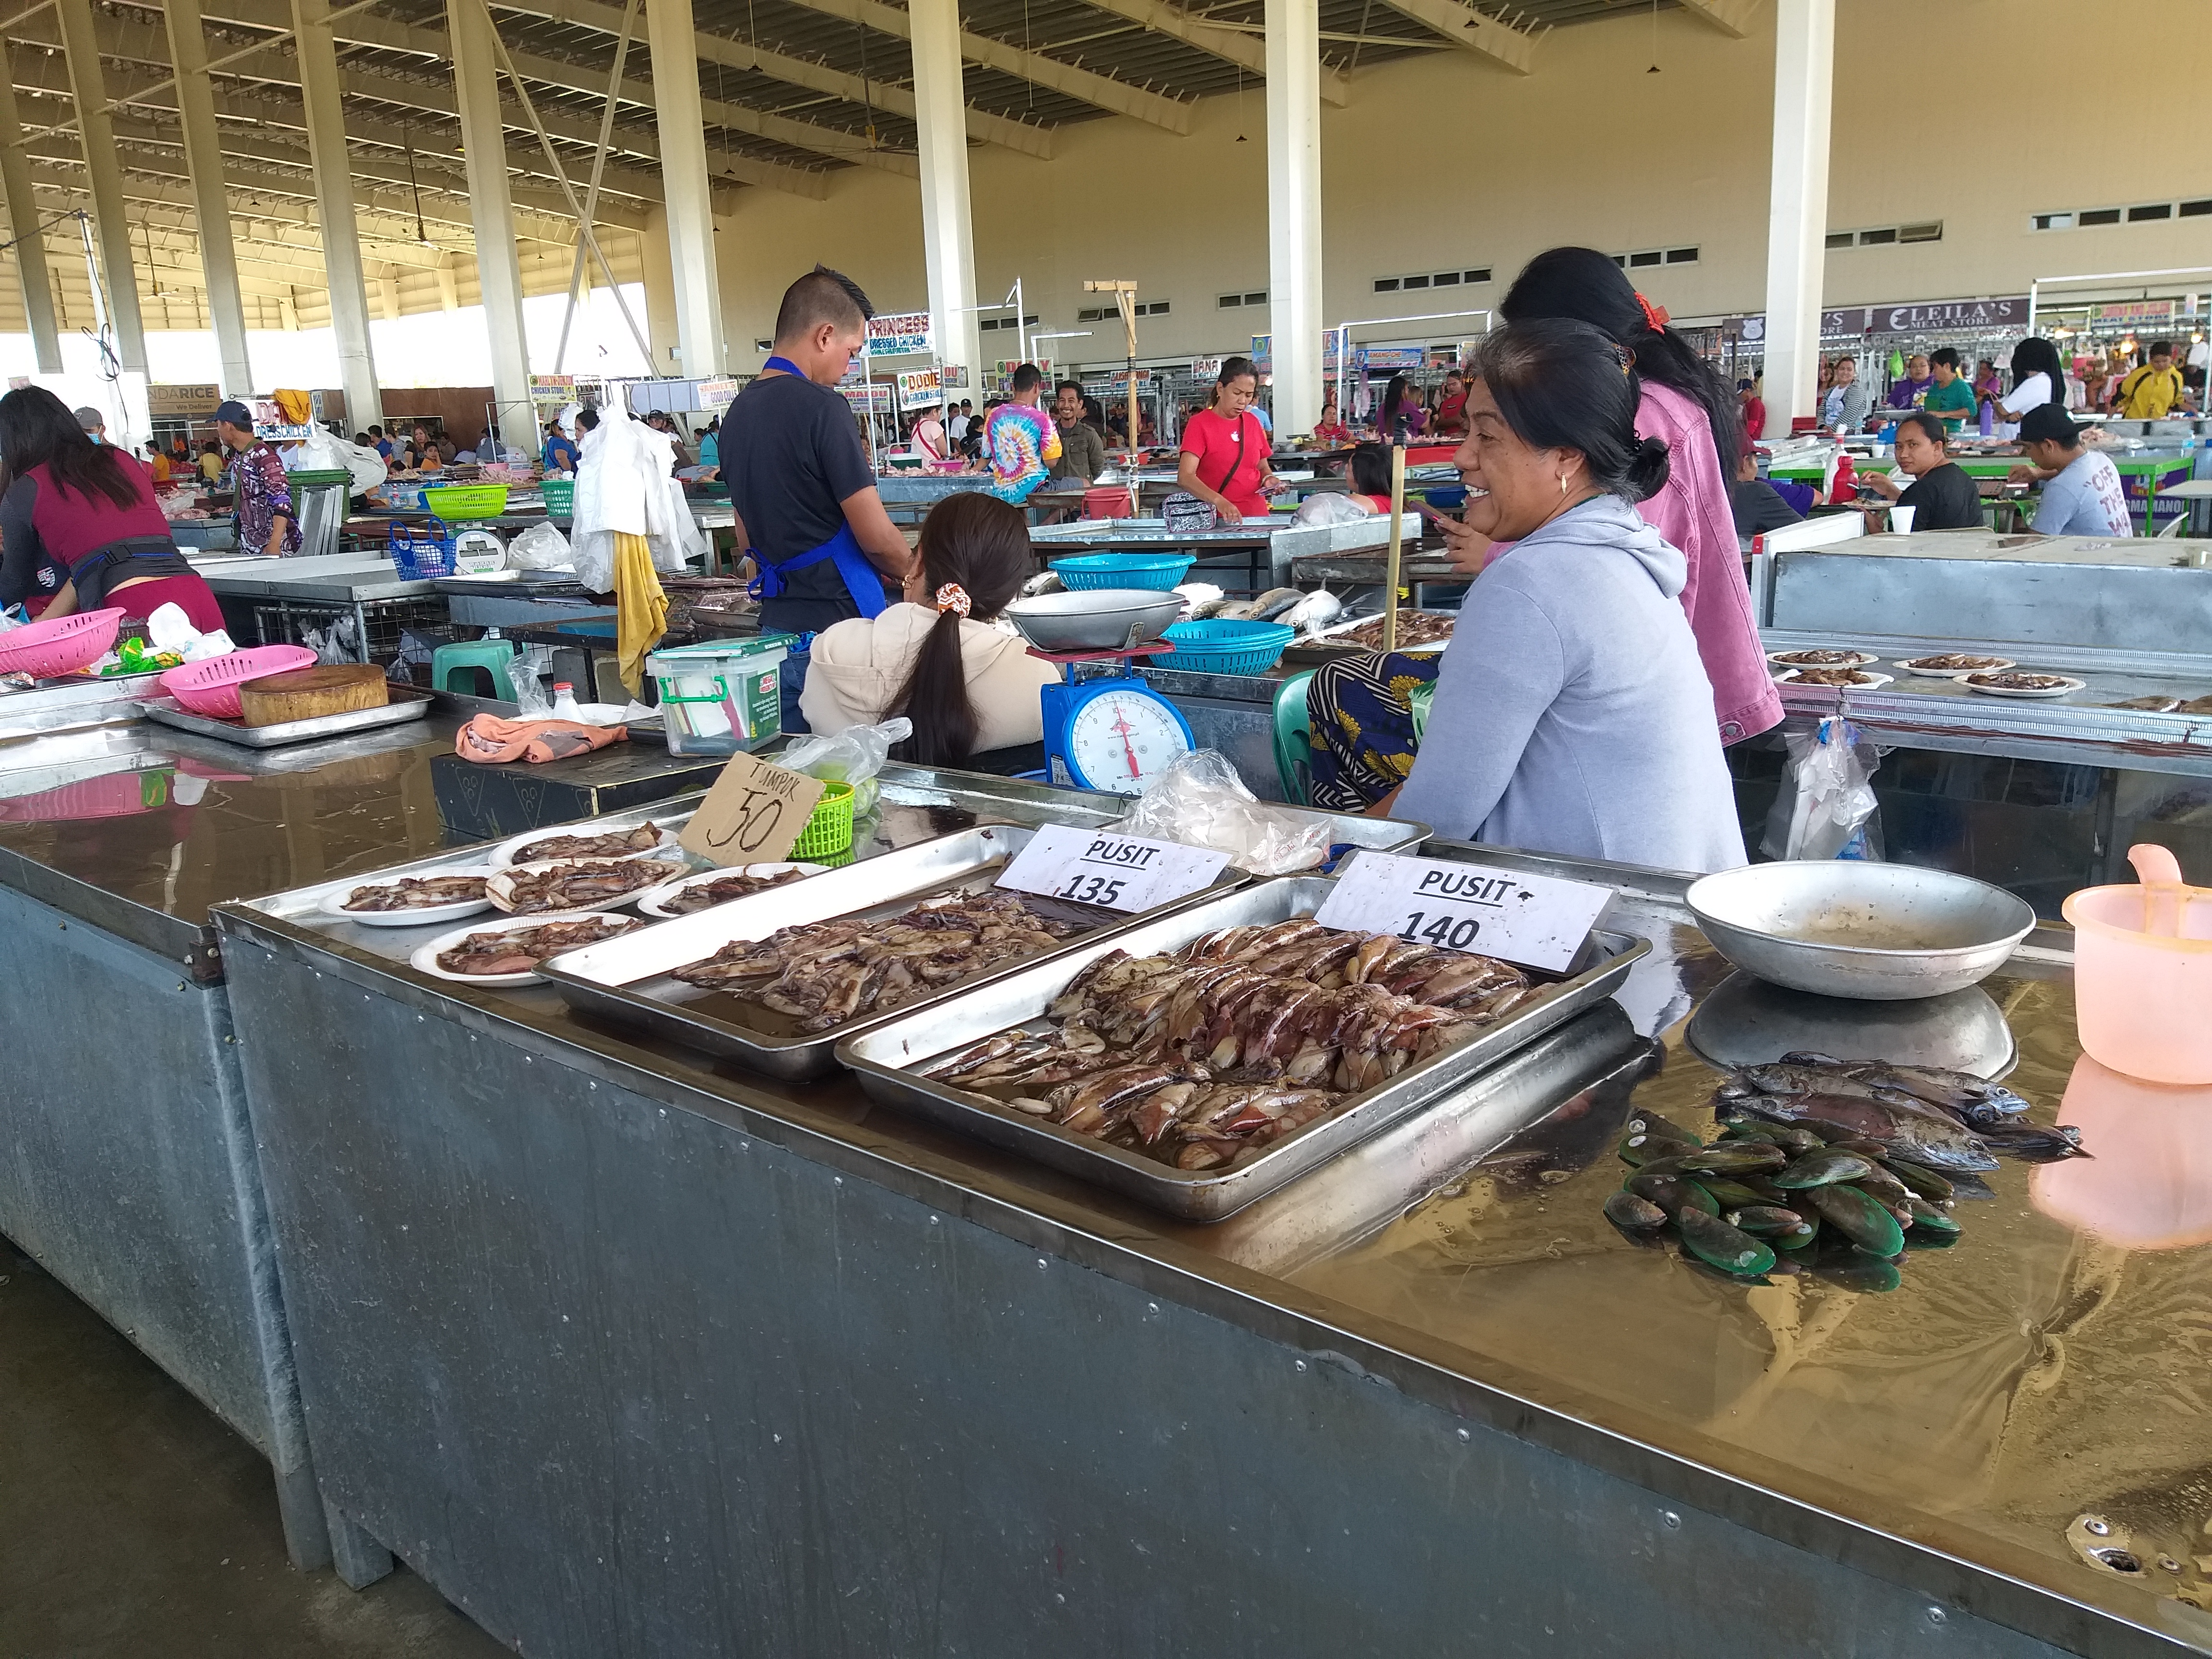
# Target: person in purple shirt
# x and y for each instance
(1906, 391)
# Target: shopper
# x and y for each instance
(1750, 407)
(381, 444)
(1402, 416)
(804, 495)
(80, 530)
(936, 658)
(1572, 689)
(1949, 395)
(1755, 504)
(1845, 409)
(1908, 389)
(212, 465)
(158, 462)
(92, 424)
(560, 454)
(2038, 378)
(2082, 495)
(1685, 404)
(1451, 407)
(1225, 452)
(1020, 441)
(1082, 451)
(2150, 392)
(1942, 496)
(267, 522)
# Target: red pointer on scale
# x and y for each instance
(1122, 728)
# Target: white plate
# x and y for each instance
(504, 854)
(426, 916)
(1875, 681)
(1859, 659)
(654, 903)
(1997, 665)
(2071, 686)
(425, 959)
(500, 889)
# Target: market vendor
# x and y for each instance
(2038, 378)
(1020, 441)
(1578, 710)
(1910, 389)
(2151, 392)
(1451, 407)
(1082, 449)
(804, 495)
(1370, 477)
(1942, 496)
(1330, 427)
(1948, 394)
(1845, 407)
(267, 522)
(560, 454)
(929, 440)
(80, 530)
(2082, 495)
(967, 686)
(1225, 449)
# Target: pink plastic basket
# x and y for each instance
(211, 687)
(60, 646)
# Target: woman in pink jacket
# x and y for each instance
(1685, 403)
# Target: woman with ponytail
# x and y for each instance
(942, 658)
(1683, 401)
(1571, 687)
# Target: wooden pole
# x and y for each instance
(1128, 302)
(1390, 566)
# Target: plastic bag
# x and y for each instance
(853, 755)
(1826, 808)
(319, 452)
(1329, 506)
(1201, 802)
(542, 547)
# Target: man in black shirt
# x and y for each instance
(1942, 496)
(1755, 504)
(801, 482)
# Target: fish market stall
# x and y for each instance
(628, 1346)
(1275, 546)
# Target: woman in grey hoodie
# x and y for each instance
(1573, 714)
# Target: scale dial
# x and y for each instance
(1122, 737)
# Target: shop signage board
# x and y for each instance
(1396, 359)
(1206, 368)
(2005, 310)
(1538, 922)
(1122, 873)
(754, 813)
(870, 397)
(719, 393)
(899, 333)
(919, 389)
(2133, 312)
(953, 377)
(182, 400)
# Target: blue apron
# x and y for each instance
(861, 579)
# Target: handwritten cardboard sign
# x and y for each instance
(752, 815)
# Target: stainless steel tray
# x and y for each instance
(886, 1059)
(406, 704)
(627, 978)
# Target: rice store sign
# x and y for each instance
(172, 402)
(896, 335)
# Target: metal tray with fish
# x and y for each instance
(630, 979)
(888, 1059)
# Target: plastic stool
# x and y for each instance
(493, 656)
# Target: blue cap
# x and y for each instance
(236, 413)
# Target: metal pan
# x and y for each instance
(628, 979)
(406, 704)
(888, 1058)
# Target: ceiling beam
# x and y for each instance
(1486, 37)
(1100, 91)
(1731, 17)
(799, 72)
(1235, 47)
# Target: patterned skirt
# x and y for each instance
(1362, 727)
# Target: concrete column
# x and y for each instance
(657, 271)
(948, 231)
(1797, 210)
(449, 285)
(683, 180)
(104, 168)
(342, 261)
(203, 159)
(1294, 298)
(22, 216)
(499, 272)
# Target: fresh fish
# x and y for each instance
(1277, 602)
(1317, 611)
(2031, 1143)
(1974, 1098)
(1921, 1134)
(1043, 582)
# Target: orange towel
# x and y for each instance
(491, 741)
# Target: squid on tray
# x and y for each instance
(1202, 1057)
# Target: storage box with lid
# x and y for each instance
(721, 696)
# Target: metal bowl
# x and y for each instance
(1840, 927)
(1100, 619)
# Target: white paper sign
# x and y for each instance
(1538, 922)
(1122, 873)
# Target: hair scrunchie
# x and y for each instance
(1654, 317)
(954, 597)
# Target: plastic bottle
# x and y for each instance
(564, 702)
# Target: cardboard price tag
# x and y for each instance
(1538, 922)
(753, 814)
(1122, 873)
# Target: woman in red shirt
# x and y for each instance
(1225, 449)
(79, 526)
(1451, 407)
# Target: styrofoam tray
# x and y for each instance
(503, 856)
(428, 916)
(425, 958)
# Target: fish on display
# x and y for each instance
(1989, 1115)
(1977, 1099)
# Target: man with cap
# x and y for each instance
(93, 423)
(267, 521)
(801, 483)
(2082, 491)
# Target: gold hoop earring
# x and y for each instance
(1563, 483)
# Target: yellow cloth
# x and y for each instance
(295, 406)
(2147, 394)
(640, 607)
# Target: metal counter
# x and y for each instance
(627, 1351)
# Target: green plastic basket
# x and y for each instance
(452, 502)
(560, 495)
(830, 830)
(320, 475)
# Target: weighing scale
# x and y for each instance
(1115, 733)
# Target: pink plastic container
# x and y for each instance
(2143, 973)
(60, 646)
(211, 687)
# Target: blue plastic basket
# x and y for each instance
(1227, 648)
(418, 555)
(1156, 571)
